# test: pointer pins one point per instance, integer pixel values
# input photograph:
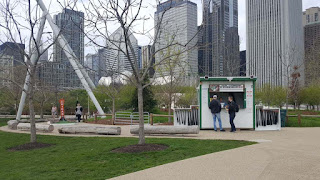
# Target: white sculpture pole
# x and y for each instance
(70, 54)
(33, 59)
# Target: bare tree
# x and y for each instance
(127, 14)
(26, 28)
(171, 76)
(292, 69)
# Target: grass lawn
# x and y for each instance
(3, 121)
(162, 119)
(99, 118)
(305, 122)
(90, 157)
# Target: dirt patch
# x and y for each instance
(166, 124)
(102, 121)
(137, 148)
(29, 146)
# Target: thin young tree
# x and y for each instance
(26, 28)
(127, 15)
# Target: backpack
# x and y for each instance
(237, 107)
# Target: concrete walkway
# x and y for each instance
(292, 153)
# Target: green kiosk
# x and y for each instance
(242, 89)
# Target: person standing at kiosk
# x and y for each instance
(215, 107)
(232, 107)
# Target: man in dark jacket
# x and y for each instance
(232, 107)
(215, 107)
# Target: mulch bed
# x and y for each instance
(30, 146)
(138, 148)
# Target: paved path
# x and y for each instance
(292, 153)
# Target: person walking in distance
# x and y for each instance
(232, 107)
(215, 108)
(79, 110)
(54, 111)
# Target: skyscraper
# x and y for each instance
(92, 67)
(71, 24)
(16, 50)
(219, 41)
(146, 53)
(311, 16)
(178, 26)
(116, 60)
(311, 24)
(243, 63)
(274, 40)
(12, 64)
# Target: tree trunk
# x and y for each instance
(113, 110)
(33, 136)
(169, 110)
(141, 119)
(33, 133)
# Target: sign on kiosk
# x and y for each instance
(61, 101)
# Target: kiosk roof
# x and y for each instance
(227, 79)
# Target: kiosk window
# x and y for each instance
(224, 91)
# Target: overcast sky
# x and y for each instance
(55, 8)
(241, 19)
(242, 16)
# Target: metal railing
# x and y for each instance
(158, 115)
(267, 119)
(186, 116)
(133, 117)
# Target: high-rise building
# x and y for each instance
(311, 15)
(95, 66)
(6, 70)
(243, 63)
(92, 67)
(45, 55)
(147, 58)
(312, 52)
(16, 50)
(71, 24)
(117, 61)
(219, 40)
(275, 42)
(178, 26)
(12, 65)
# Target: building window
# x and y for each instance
(308, 18)
(316, 17)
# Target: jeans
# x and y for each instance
(232, 116)
(78, 117)
(215, 116)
